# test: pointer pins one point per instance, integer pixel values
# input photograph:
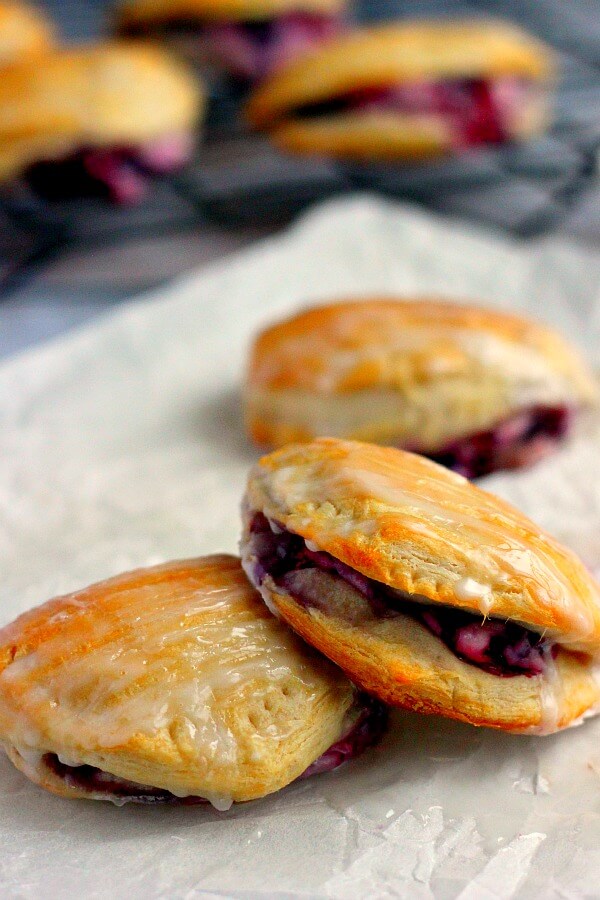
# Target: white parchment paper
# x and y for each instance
(122, 446)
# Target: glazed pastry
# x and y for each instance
(24, 31)
(172, 683)
(474, 389)
(411, 90)
(430, 593)
(247, 38)
(98, 119)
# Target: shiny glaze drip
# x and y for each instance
(500, 648)
(418, 501)
(164, 649)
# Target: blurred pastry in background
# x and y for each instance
(474, 389)
(173, 684)
(409, 91)
(246, 38)
(23, 30)
(97, 120)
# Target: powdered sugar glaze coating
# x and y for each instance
(175, 677)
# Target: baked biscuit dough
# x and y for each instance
(432, 542)
(112, 94)
(174, 678)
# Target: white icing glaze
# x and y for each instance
(219, 801)
(489, 537)
(310, 545)
(549, 689)
(469, 589)
(152, 657)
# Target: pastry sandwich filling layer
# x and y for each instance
(520, 440)
(253, 49)
(498, 647)
(120, 174)
(365, 725)
(475, 110)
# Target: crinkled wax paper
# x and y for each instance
(122, 445)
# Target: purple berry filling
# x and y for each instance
(519, 441)
(477, 111)
(120, 174)
(366, 730)
(253, 49)
(500, 648)
(95, 781)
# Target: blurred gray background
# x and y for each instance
(62, 265)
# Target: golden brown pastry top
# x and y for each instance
(413, 525)
(176, 677)
(358, 344)
(400, 53)
(102, 95)
(152, 12)
(23, 31)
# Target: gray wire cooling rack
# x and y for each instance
(238, 179)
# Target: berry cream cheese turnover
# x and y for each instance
(173, 684)
(247, 38)
(410, 90)
(97, 120)
(474, 389)
(430, 593)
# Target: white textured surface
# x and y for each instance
(122, 446)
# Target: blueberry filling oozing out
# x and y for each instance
(499, 648)
(91, 780)
(366, 729)
(519, 441)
